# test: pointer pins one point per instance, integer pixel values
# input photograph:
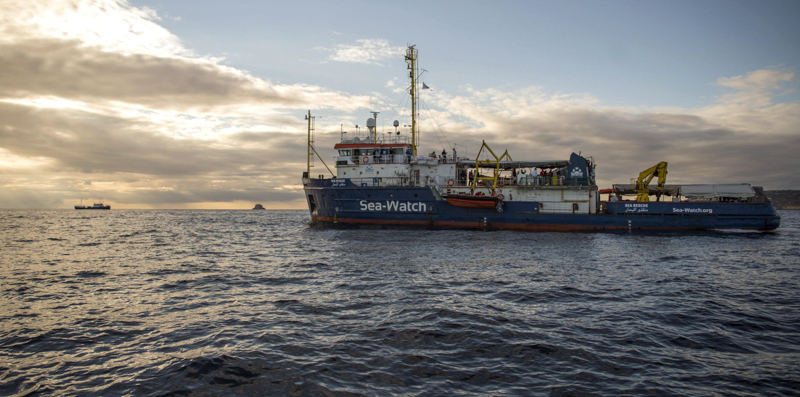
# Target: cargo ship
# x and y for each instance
(95, 206)
(383, 180)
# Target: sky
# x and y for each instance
(201, 104)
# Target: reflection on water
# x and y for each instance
(259, 302)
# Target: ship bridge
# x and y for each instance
(371, 153)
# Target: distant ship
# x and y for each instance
(383, 180)
(95, 206)
(259, 207)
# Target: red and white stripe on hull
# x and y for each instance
(532, 227)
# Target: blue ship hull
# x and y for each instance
(339, 201)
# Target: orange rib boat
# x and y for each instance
(469, 201)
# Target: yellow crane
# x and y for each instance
(496, 163)
(642, 191)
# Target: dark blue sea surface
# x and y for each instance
(125, 302)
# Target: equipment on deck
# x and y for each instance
(642, 191)
(492, 163)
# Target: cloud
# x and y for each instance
(129, 165)
(758, 80)
(367, 51)
(79, 141)
(99, 101)
(730, 140)
(112, 25)
(750, 105)
(98, 91)
(110, 51)
(70, 69)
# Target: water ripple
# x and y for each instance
(183, 303)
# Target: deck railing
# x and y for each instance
(397, 159)
(537, 180)
(441, 181)
(402, 181)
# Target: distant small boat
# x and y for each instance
(95, 206)
(259, 207)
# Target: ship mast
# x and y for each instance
(311, 128)
(411, 60)
(310, 145)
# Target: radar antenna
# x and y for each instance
(373, 130)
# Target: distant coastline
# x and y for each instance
(784, 199)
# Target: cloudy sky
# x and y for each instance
(200, 104)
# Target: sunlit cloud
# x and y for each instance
(112, 25)
(97, 100)
(367, 51)
(100, 89)
(69, 69)
(10, 162)
(758, 80)
(735, 139)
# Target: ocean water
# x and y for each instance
(124, 302)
